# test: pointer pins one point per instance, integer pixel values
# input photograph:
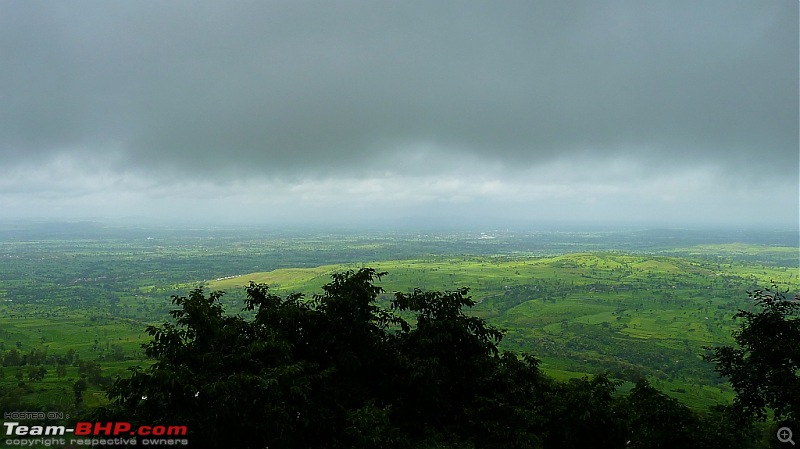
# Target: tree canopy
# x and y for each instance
(764, 367)
(337, 371)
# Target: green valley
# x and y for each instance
(631, 303)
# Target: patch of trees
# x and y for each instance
(337, 371)
(764, 367)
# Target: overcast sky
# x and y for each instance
(676, 112)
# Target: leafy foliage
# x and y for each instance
(337, 371)
(764, 369)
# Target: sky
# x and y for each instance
(509, 113)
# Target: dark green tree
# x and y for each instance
(91, 371)
(292, 375)
(12, 358)
(78, 388)
(583, 413)
(36, 373)
(764, 367)
(658, 421)
(337, 371)
(444, 360)
(70, 356)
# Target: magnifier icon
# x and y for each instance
(785, 435)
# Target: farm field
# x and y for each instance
(75, 301)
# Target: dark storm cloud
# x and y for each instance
(293, 87)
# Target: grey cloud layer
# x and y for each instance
(298, 87)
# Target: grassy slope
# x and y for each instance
(590, 312)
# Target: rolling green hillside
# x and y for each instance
(633, 315)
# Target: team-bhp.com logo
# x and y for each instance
(94, 434)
